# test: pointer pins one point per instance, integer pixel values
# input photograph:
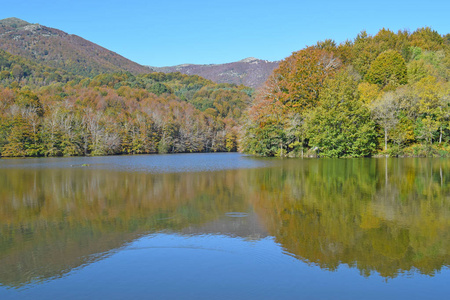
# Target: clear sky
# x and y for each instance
(171, 32)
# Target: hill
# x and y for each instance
(58, 49)
(250, 72)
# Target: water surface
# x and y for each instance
(221, 226)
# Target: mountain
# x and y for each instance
(57, 49)
(250, 72)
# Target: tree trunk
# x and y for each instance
(385, 139)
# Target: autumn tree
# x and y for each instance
(289, 93)
(388, 69)
(363, 53)
(432, 104)
(368, 92)
(427, 39)
(298, 80)
(20, 141)
(264, 130)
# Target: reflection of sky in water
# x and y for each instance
(144, 163)
(171, 266)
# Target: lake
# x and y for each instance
(224, 226)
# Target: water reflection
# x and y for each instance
(386, 216)
(354, 212)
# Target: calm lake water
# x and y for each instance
(224, 226)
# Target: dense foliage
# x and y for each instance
(50, 112)
(389, 92)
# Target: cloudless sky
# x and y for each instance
(171, 32)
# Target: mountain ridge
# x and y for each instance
(250, 71)
(58, 49)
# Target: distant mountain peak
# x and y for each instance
(58, 49)
(14, 22)
(249, 59)
(249, 71)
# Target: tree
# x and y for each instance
(427, 39)
(418, 69)
(29, 100)
(328, 45)
(364, 52)
(20, 139)
(17, 71)
(368, 92)
(388, 69)
(432, 105)
(341, 126)
(291, 90)
(264, 131)
(384, 111)
(298, 80)
(427, 129)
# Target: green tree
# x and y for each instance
(17, 72)
(427, 128)
(388, 69)
(341, 126)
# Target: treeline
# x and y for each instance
(113, 113)
(387, 94)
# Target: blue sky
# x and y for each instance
(170, 32)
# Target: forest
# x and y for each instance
(51, 112)
(386, 94)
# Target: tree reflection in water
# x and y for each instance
(388, 216)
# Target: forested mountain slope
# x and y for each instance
(57, 49)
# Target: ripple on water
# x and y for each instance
(234, 214)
